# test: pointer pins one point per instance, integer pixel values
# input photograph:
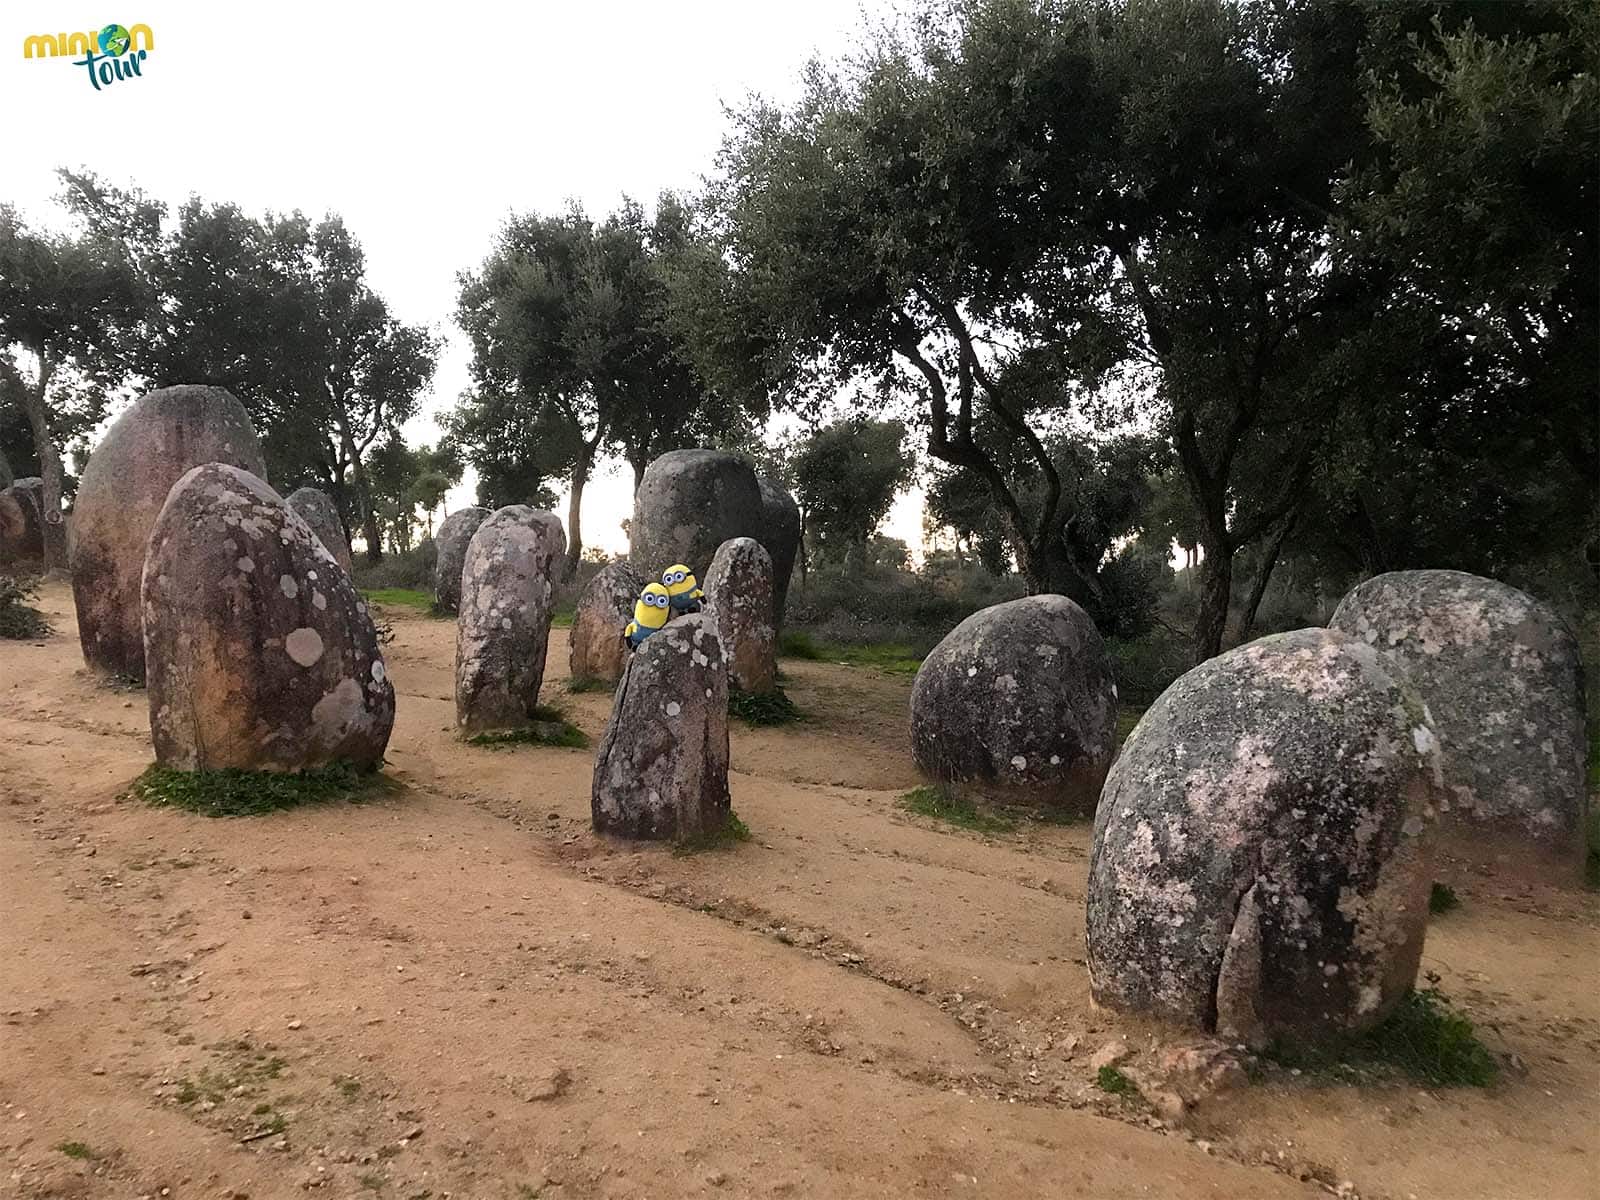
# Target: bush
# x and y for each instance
(1146, 666)
(412, 570)
(19, 620)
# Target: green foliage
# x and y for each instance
(1109, 1079)
(1424, 1039)
(895, 659)
(797, 643)
(1442, 898)
(762, 708)
(239, 793)
(404, 597)
(78, 1150)
(19, 621)
(580, 684)
(846, 477)
(944, 804)
(549, 727)
(1146, 666)
(731, 832)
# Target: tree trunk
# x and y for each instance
(6, 476)
(1216, 588)
(369, 518)
(580, 477)
(50, 470)
(1258, 588)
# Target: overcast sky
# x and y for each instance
(424, 135)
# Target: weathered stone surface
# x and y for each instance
(507, 588)
(317, 509)
(739, 599)
(22, 521)
(662, 767)
(595, 639)
(1019, 697)
(161, 437)
(261, 653)
(1502, 679)
(689, 502)
(782, 540)
(455, 534)
(1263, 850)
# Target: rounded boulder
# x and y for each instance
(739, 598)
(689, 502)
(596, 648)
(159, 439)
(451, 542)
(507, 593)
(261, 653)
(1263, 851)
(317, 509)
(1503, 681)
(1019, 698)
(22, 521)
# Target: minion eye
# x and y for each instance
(659, 601)
(677, 577)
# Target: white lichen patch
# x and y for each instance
(304, 646)
(289, 586)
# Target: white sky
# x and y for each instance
(423, 125)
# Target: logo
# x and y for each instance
(110, 54)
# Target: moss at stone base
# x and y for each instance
(233, 792)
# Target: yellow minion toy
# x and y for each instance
(681, 587)
(650, 613)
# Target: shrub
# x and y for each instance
(18, 619)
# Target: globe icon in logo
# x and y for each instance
(114, 40)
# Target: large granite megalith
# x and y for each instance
(662, 768)
(1501, 676)
(1263, 850)
(1019, 699)
(260, 652)
(782, 540)
(455, 534)
(507, 593)
(689, 502)
(597, 651)
(317, 509)
(738, 591)
(22, 522)
(161, 437)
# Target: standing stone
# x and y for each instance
(1502, 679)
(261, 653)
(455, 533)
(22, 521)
(662, 767)
(739, 597)
(689, 502)
(782, 540)
(1019, 698)
(1263, 851)
(507, 588)
(317, 509)
(604, 609)
(161, 437)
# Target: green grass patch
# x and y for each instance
(762, 708)
(550, 728)
(1109, 1079)
(1424, 1039)
(1442, 899)
(732, 831)
(239, 793)
(580, 684)
(797, 643)
(944, 804)
(404, 597)
(892, 657)
(562, 618)
(78, 1150)
(349, 1086)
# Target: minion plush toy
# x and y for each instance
(650, 613)
(681, 587)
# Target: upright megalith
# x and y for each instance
(455, 534)
(782, 540)
(1502, 679)
(1019, 698)
(689, 502)
(739, 598)
(161, 437)
(317, 509)
(22, 522)
(662, 767)
(1263, 850)
(595, 640)
(507, 589)
(261, 653)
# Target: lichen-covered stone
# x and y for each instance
(1019, 698)
(595, 641)
(261, 653)
(507, 589)
(160, 438)
(739, 598)
(662, 767)
(455, 534)
(22, 521)
(1263, 850)
(689, 502)
(782, 540)
(317, 509)
(1502, 678)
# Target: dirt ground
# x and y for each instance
(459, 991)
